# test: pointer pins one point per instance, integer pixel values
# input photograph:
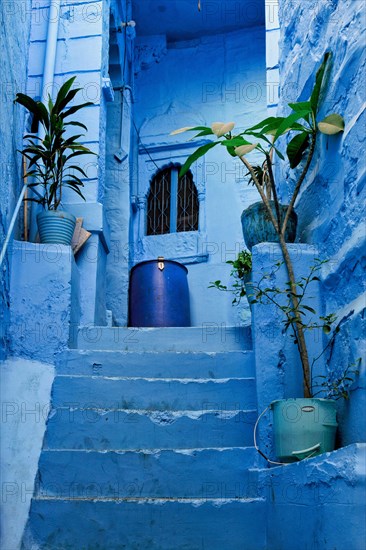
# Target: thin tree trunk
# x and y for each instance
(299, 183)
(286, 256)
(299, 328)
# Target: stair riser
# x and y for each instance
(158, 365)
(209, 337)
(147, 526)
(102, 393)
(92, 429)
(168, 474)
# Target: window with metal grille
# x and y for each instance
(172, 203)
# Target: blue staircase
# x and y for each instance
(149, 444)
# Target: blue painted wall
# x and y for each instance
(14, 57)
(179, 83)
(331, 206)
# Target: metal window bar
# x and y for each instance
(188, 206)
(158, 204)
(172, 203)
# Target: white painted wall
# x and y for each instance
(25, 398)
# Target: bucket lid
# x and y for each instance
(157, 261)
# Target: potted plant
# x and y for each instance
(255, 220)
(302, 143)
(242, 274)
(306, 427)
(301, 427)
(49, 161)
(303, 128)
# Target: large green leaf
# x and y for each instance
(276, 121)
(196, 155)
(288, 122)
(205, 132)
(28, 103)
(190, 129)
(315, 94)
(75, 167)
(74, 109)
(235, 142)
(301, 106)
(296, 148)
(63, 91)
(70, 96)
(43, 115)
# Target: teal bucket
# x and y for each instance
(56, 227)
(303, 428)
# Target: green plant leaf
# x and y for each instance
(235, 142)
(196, 155)
(63, 91)
(59, 107)
(28, 103)
(301, 106)
(309, 309)
(75, 123)
(206, 132)
(332, 124)
(288, 122)
(275, 121)
(296, 148)
(74, 109)
(315, 95)
(191, 129)
(75, 167)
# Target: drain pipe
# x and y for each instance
(48, 77)
(47, 81)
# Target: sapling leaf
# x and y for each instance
(275, 121)
(205, 132)
(287, 123)
(196, 155)
(331, 125)
(235, 142)
(296, 148)
(245, 149)
(309, 309)
(190, 129)
(315, 95)
(301, 106)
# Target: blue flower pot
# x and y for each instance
(258, 228)
(56, 227)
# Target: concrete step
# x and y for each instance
(209, 337)
(190, 473)
(146, 524)
(153, 364)
(172, 394)
(123, 429)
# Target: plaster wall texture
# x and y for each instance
(44, 299)
(179, 84)
(323, 493)
(331, 205)
(13, 59)
(25, 400)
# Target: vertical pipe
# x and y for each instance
(47, 82)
